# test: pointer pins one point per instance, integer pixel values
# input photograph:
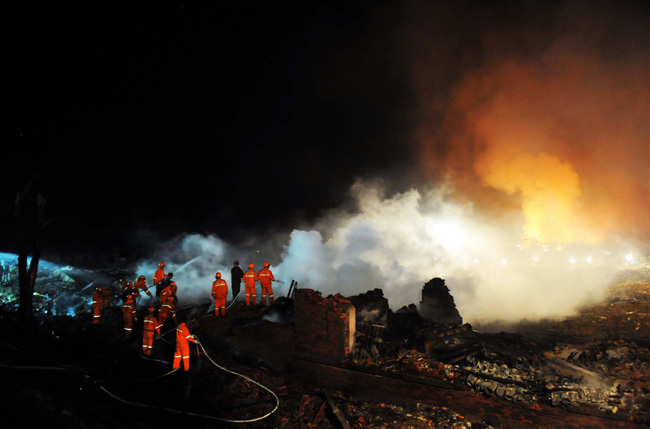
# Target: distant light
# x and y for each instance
(572, 260)
(546, 249)
(476, 261)
(503, 261)
(535, 258)
(588, 259)
(628, 257)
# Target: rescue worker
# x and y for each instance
(169, 288)
(166, 311)
(130, 314)
(219, 293)
(151, 328)
(250, 277)
(236, 274)
(127, 288)
(266, 277)
(158, 277)
(101, 299)
(183, 337)
(141, 285)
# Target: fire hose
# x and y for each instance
(221, 419)
(234, 300)
(199, 345)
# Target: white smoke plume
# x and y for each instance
(399, 242)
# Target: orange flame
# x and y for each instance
(563, 139)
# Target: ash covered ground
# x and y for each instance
(66, 372)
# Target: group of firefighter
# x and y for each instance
(166, 290)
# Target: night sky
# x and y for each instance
(200, 116)
(238, 118)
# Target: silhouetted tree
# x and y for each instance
(30, 222)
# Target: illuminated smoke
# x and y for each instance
(556, 131)
(399, 242)
(194, 260)
(534, 140)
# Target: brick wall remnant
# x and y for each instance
(324, 328)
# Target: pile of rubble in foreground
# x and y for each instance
(346, 362)
(552, 377)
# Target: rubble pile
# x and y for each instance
(438, 305)
(607, 379)
(352, 362)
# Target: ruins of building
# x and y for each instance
(436, 359)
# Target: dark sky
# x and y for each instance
(198, 117)
(243, 117)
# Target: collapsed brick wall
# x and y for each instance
(324, 327)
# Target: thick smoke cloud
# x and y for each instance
(397, 243)
(548, 117)
(531, 123)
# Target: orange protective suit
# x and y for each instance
(250, 277)
(158, 276)
(219, 293)
(130, 314)
(101, 300)
(183, 337)
(266, 277)
(141, 285)
(169, 290)
(150, 328)
(167, 310)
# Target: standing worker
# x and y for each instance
(166, 311)
(266, 277)
(130, 314)
(219, 293)
(158, 276)
(183, 337)
(250, 277)
(150, 328)
(101, 298)
(168, 288)
(236, 274)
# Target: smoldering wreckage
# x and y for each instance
(309, 360)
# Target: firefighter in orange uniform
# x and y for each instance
(169, 288)
(159, 276)
(166, 311)
(183, 337)
(101, 299)
(219, 293)
(250, 277)
(141, 285)
(130, 314)
(151, 327)
(266, 277)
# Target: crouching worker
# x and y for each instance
(219, 293)
(183, 338)
(150, 329)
